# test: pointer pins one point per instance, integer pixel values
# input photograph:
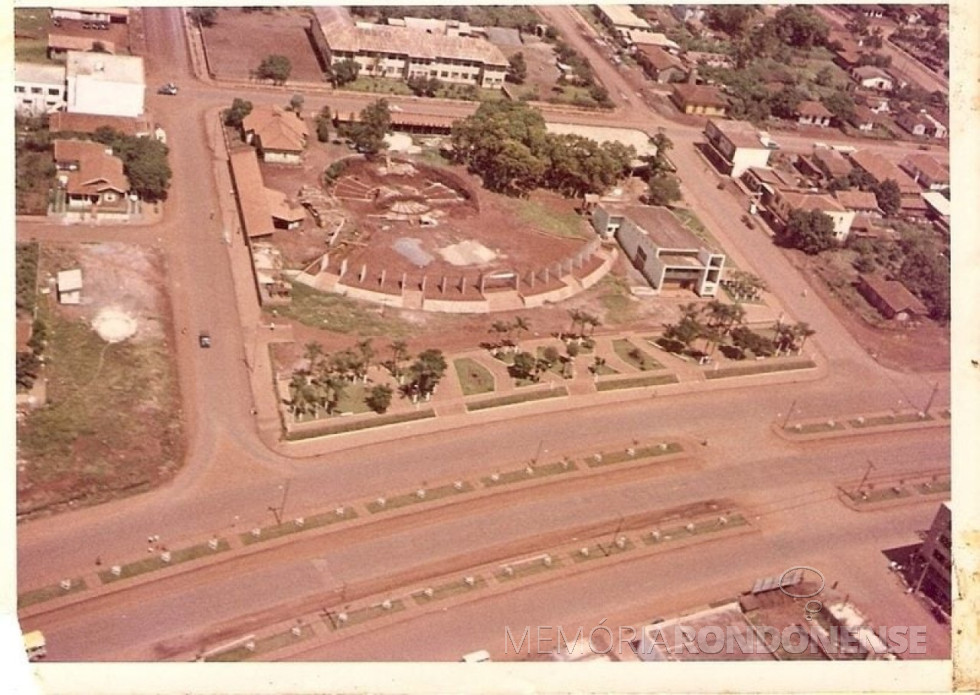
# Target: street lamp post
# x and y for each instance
(865, 478)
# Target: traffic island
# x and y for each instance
(861, 424)
(529, 472)
(462, 586)
(527, 568)
(252, 647)
(164, 559)
(267, 533)
(515, 399)
(762, 368)
(699, 528)
(637, 382)
(344, 619)
(47, 593)
(384, 504)
(633, 454)
(886, 493)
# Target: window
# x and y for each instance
(444, 73)
(36, 90)
(54, 91)
(19, 90)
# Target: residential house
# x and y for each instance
(863, 202)
(876, 103)
(738, 145)
(253, 203)
(285, 213)
(923, 124)
(38, 89)
(105, 84)
(69, 284)
(641, 37)
(699, 99)
(708, 59)
(98, 15)
(763, 180)
(667, 253)
(280, 136)
(890, 297)
(939, 210)
(660, 65)
(900, 78)
(849, 53)
(863, 118)
(926, 171)
(401, 52)
(870, 77)
(91, 178)
(830, 163)
(620, 19)
(783, 201)
(60, 44)
(915, 208)
(881, 169)
(813, 113)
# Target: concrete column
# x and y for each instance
(483, 283)
(547, 275)
(462, 284)
(343, 267)
(381, 282)
(442, 285)
(361, 277)
(324, 262)
(422, 285)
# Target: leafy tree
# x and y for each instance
(374, 123)
(423, 86)
(889, 197)
(144, 161)
(785, 101)
(525, 366)
(344, 72)
(663, 189)
(685, 331)
(745, 338)
(379, 398)
(811, 231)
(572, 350)
(825, 76)
(399, 353)
(800, 26)
(520, 325)
(550, 356)
(323, 125)
(99, 47)
(600, 95)
(839, 103)
(426, 372)
(731, 19)
(859, 178)
(239, 109)
(517, 70)
(590, 320)
(28, 369)
(274, 67)
(926, 273)
(296, 103)
(659, 163)
(203, 16)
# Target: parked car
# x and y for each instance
(204, 339)
(169, 89)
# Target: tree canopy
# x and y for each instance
(275, 68)
(889, 196)
(239, 109)
(144, 162)
(369, 132)
(344, 72)
(811, 231)
(517, 71)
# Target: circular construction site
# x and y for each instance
(413, 235)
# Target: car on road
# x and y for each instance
(204, 339)
(170, 89)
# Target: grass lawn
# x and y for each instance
(617, 300)
(760, 368)
(474, 378)
(290, 526)
(342, 315)
(637, 382)
(634, 356)
(564, 224)
(516, 398)
(109, 426)
(31, 26)
(352, 400)
(379, 85)
(29, 598)
(264, 645)
(339, 427)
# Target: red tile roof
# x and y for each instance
(858, 200)
(251, 193)
(813, 109)
(894, 294)
(659, 58)
(276, 128)
(927, 166)
(97, 170)
(700, 95)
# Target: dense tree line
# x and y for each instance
(144, 161)
(507, 144)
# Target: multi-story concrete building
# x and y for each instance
(738, 144)
(659, 246)
(105, 84)
(936, 558)
(402, 52)
(38, 89)
(782, 202)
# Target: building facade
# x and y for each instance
(738, 144)
(936, 556)
(38, 89)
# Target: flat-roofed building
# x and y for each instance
(936, 558)
(620, 19)
(38, 89)
(100, 15)
(70, 286)
(105, 84)
(739, 144)
(782, 202)
(658, 245)
(401, 52)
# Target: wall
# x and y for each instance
(749, 157)
(87, 95)
(281, 157)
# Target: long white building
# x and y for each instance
(104, 84)
(38, 89)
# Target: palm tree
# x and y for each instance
(366, 351)
(500, 328)
(520, 325)
(399, 352)
(804, 331)
(593, 322)
(576, 317)
(312, 352)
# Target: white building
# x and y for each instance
(103, 84)
(70, 286)
(38, 89)
(739, 144)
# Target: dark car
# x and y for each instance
(169, 89)
(204, 339)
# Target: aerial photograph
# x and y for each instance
(522, 334)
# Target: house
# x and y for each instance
(38, 89)
(738, 145)
(890, 297)
(758, 179)
(863, 202)
(880, 169)
(285, 213)
(687, 13)
(848, 53)
(641, 37)
(863, 118)
(699, 99)
(939, 210)
(660, 65)
(872, 11)
(914, 207)
(98, 15)
(813, 113)
(253, 203)
(70, 286)
(870, 77)
(667, 253)
(708, 59)
(105, 84)
(876, 103)
(926, 171)
(60, 44)
(91, 177)
(830, 163)
(783, 201)
(923, 124)
(402, 52)
(279, 136)
(620, 19)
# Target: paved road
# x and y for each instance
(230, 475)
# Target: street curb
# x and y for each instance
(849, 431)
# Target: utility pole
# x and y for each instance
(280, 510)
(789, 413)
(866, 474)
(935, 388)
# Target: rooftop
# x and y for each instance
(659, 58)
(98, 170)
(39, 74)
(740, 133)
(865, 72)
(277, 128)
(660, 224)
(642, 37)
(63, 42)
(813, 109)
(804, 200)
(701, 95)
(857, 200)
(623, 16)
(938, 202)
(251, 193)
(894, 294)
(280, 207)
(881, 169)
(926, 165)
(89, 123)
(105, 67)
(833, 161)
(70, 280)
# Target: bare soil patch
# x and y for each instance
(239, 40)
(110, 425)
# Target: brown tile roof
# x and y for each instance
(659, 58)
(926, 165)
(660, 224)
(251, 193)
(894, 294)
(882, 169)
(281, 208)
(858, 200)
(64, 42)
(89, 123)
(865, 72)
(276, 128)
(740, 133)
(832, 161)
(804, 200)
(700, 95)
(813, 109)
(862, 115)
(341, 36)
(97, 171)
